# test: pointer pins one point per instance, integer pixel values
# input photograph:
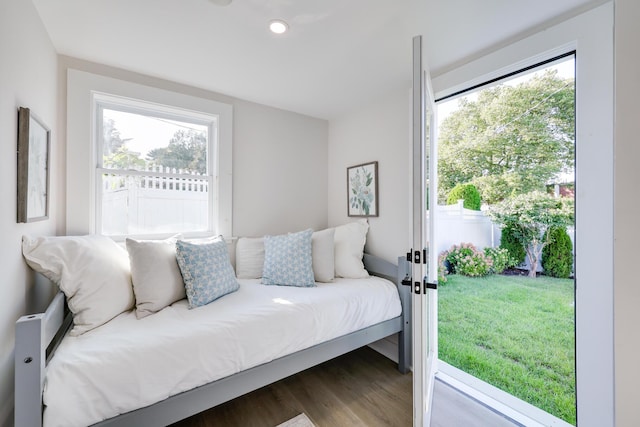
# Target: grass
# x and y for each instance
(515, 333)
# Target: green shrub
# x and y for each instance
(500, 259)
(468, 261)
(557, 256)
(469, 193)
(511, 243)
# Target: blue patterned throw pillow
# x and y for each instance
(206, 271)
(287, 260)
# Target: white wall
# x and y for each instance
(379, 132)
(27, 79)
(280, 171)
(272, 149)
(626, 231)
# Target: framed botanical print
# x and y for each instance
(362, 190)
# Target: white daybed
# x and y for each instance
(180, 362)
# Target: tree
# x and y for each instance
(512, 244)
(529, 216)
(111, 139)
(187, 150)
(511, 140)
(467, 192)
(125, 159)
(115, 153)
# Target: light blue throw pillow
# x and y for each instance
(206, 271)
(287, 260)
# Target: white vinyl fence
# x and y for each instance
(459, 225)
(146, 202)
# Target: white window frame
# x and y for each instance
(83, 90)
(103, 101)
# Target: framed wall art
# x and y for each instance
(362, 190)
(33, 167)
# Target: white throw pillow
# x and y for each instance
(349, 249)
(249, 257)
(156, 278)
(322, 253)
(92, 271)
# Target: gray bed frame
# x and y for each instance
(38, 335)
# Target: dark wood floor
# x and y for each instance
(362, 388)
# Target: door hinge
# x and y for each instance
(416, 258)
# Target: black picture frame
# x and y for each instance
(362, 190)
(34, 145)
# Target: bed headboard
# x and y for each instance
(36, 338)
(397, 274)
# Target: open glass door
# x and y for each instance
(424, 261)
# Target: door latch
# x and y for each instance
(428, 285)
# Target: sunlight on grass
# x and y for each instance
(516, 333)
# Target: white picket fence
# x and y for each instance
(154, 201)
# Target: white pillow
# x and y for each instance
(156, 278)
(249, 257)
(322, 253)
(92, 271)
(349, 249)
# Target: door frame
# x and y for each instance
(591, 36)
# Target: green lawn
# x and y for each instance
(515, 333)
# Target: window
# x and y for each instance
(91, 96)
(155, 169)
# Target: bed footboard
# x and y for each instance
(397, 274)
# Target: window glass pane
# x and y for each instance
(133, 141)
(154, 203)
(154, 176)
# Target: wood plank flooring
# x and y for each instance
(362, 388)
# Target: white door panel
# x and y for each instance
(424, 261)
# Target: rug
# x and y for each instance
(300, 421)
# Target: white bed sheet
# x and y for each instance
(130, 363)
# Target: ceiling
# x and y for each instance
(337, 55)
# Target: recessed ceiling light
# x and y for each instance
(278, 26)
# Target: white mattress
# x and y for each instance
(130, 363)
